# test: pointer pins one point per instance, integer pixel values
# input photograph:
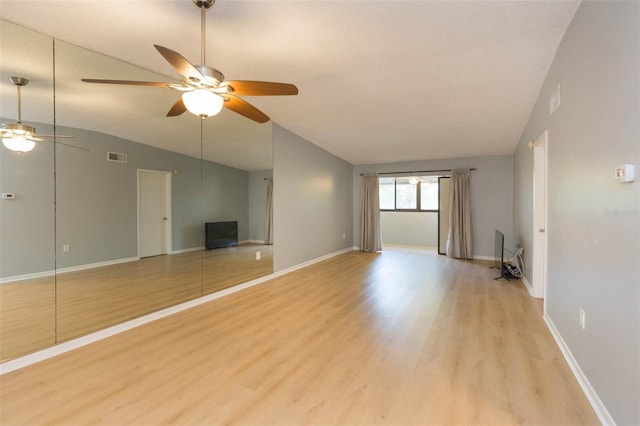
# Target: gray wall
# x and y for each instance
(312, 201)
(27, 237)
(96, 201)
(225, 193)
(491, 195)
(593, 227)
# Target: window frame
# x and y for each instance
(418, 199)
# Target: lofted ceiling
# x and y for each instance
(379, 81)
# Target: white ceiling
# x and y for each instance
(379, 81)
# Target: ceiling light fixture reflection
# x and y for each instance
(17, 136)
(18, 143)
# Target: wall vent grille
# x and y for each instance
(118, 157)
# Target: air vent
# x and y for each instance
(118, 157)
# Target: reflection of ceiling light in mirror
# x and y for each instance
(18, 137)
(18, 143)
(202, 102)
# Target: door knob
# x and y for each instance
(540, 229)
(165, 218)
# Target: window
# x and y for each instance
(420, 193)
(387, 193)
(406, 195)
(429, 193)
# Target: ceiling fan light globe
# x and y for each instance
(202, 102)
(18, 144)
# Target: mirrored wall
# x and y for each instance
(27, 219)
(108, 220)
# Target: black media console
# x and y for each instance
(220, 234)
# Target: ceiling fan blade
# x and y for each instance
(244, 108)
(54, 136)
(181, 65)
(261, 88)
(72, 146)
(177, 108)
(128, 82)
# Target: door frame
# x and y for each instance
(540, 224)
(168, 243)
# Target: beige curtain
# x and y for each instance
(370, 214)
(268, 218)
(459, 237)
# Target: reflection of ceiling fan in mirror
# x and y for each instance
(205, 89)
(18, 136)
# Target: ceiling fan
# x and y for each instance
(205, 91)
(18, 136)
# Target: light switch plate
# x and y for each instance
(625, 173)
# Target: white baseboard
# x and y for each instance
(252, 242)
(491, 258)
(600, 409)
(33, 358)
(527, 285)
(312, 261)
(187, 250)
(24, 277)
(96, 265)
(67, 269)
(30, 359)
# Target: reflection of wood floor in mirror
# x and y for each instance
(27, 316)
(398, 338)
(92, 299)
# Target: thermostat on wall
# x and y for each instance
(8, 196)
(625, 173)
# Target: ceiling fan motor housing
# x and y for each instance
(19, 129)
(204, 3)
(213, 76)
(204, 87)
(18, 81)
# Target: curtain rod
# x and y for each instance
(419, 171)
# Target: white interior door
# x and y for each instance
(444, 184)
(153, 213)
(539, 255)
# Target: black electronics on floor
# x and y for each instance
(220, 234)
(499, 257)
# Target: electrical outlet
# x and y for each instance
(65, 248)
(258, 255)
(582, 319)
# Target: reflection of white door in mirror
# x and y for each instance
(153, 212)
(539, 256)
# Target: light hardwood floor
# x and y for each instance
(37, 313)
(399, 338)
